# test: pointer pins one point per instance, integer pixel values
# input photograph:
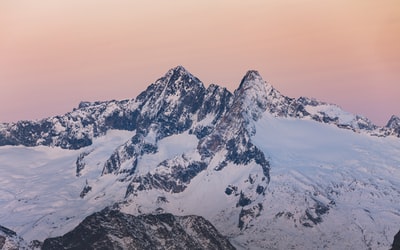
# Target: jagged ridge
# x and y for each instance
(169, 101)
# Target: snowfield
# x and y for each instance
(356, 176)
(39, 189)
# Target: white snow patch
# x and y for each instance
(332, 111)
(169, 147)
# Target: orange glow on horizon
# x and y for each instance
(57, 53)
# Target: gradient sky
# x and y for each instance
(53, 54)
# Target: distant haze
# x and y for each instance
(53, 54)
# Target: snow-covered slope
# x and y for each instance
(267, 170)
(341, 189)
(40, 192)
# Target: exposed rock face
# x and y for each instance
(232, 133)
(175, 103)
(110, 229)
(9, 240)
(394, 125)
(396, 242)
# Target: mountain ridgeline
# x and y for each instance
(176, 103)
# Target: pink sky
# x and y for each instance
(53, 54)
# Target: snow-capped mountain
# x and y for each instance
(267, 170)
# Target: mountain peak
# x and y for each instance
(252, 74)
(179, 69)
(177, 72)
(252, 96)
(178, 75)
(250, 78)
(394, 122)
